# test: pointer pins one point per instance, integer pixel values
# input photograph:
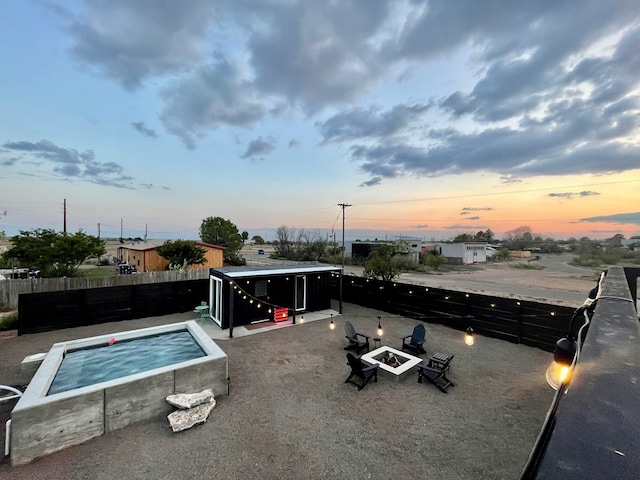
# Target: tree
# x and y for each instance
(245, 236)
(285, 239)
(224, 233)
(434, 260)
(519, 238)
(182, 252)
(299, 245)
(382, 263)
(258, 240)
(54, 254)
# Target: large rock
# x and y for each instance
(190, 400)
(184, 419)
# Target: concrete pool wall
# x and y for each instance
(42, 424)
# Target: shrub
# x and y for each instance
(9, 322)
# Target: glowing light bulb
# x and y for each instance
(468, 337)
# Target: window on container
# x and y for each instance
(261, 288)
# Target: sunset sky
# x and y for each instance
(431, 118)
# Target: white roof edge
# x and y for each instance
(279, 271)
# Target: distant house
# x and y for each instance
(360, 251)
(515, 254)
(145, 257)
(464, 253)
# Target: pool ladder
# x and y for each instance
(7, 434)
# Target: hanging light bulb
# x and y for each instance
(302, 319)
(332, 325)
(380, 331)
(559, 371)
(468, 336)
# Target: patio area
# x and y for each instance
(290, 416)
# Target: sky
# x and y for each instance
(428, 118)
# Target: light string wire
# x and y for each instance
(271, 307)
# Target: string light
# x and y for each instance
(254, 300)
(468, 336)
(332, 325)
(380, 331)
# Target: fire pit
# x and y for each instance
(390, 360)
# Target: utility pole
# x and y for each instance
(64, 217)
(344, 206)
(121, 239)
(98, 229)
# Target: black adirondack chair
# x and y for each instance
(355, 342)
(435, 371)
(360, 370)
(415, 341)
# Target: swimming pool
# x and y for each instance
(115, 359)
(46, 421)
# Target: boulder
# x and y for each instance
(184, 419)
(190, 400)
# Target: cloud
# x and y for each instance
(207, 98)
(475, 209)
(133, 41)
(293, 143)
(508, 179)
(316, 54)
(464, 227)
(627, 218)
(70, 163)
(373, 181)
(419, 226)
(544, 99)
(359, 123)
(571, 195)
(259, 146)
(473, 218)
(9, 161)
(144, 130)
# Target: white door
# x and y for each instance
(301, 292)
(215, 299)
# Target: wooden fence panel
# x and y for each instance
(10, 290)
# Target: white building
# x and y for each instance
(464, 253)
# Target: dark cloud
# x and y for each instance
(628, 218)
(359, 123)
(9, 161)
(317, 53)
(419, 226)
(571, 195)
(144, 130)
(546, 99)
(208, 97)
(475, 209)
(293, 143)
(70, 163)
(259, 146)
(373, 181)
(473, 218)
(132, 41)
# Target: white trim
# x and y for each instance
(278, 271)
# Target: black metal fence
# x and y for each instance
(531, 323)
(41, 312)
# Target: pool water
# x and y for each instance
(102, 363)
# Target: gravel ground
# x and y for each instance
(290, 416)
